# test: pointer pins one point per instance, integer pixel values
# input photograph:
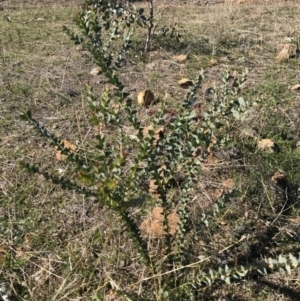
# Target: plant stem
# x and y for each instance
(150, 27)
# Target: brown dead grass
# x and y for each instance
(60, 246)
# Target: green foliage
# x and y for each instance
(282, 263)
(117, 175)
(225, 103)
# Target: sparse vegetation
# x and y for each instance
(166, 200)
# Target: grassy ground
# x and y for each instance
(56, 245)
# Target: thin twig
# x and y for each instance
(150, 27)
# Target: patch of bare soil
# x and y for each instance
(246, 1)
(16, 4)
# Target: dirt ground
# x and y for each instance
(58, 245)
(49, 3)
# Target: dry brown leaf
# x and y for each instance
(110, 87)
(151, 65)
(100, 128)
(279, 47)
(265, 144)
(217, 193)
(67, 144)
(235, 73)
(59, 156)
(277, 176)
(185, 83)
(255, 48)
(162, 170)
(42, 275)
(95, 71)
(112, 296)
(200, 152)
(212, 159)
(145, 98)
(116, 106)
(288, 51)
(158, 133)
(213, 62)
(153, 53)
(29, 237)
(146, 130)
(294, 220)
(229, 183)
(157, 213)
(154, 224)
(79, 48)
(179, 58)
(22, 252)
(153, 187)
(295, 87)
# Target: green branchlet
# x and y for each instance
(282, 263)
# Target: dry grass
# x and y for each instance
(56, 245)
